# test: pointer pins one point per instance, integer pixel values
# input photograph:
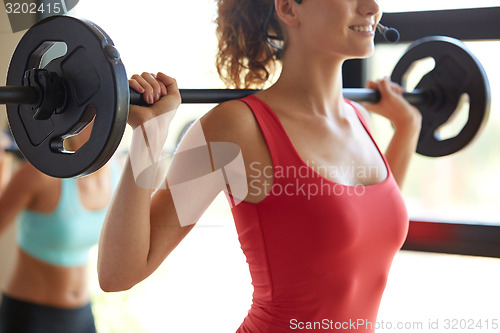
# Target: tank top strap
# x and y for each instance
(69, 195)
(280, 147)
(360, 116)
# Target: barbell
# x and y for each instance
(46, 103)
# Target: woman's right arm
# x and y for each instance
(142, 229)
(138, 234)
(127, 251)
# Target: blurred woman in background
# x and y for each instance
(59, 221)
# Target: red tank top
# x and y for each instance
(319, 252)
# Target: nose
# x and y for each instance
(369, 7)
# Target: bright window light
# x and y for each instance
(422, 5)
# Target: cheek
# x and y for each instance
(325, 18)
(329, 28)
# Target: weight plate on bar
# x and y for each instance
(96, 83)
(457, 72)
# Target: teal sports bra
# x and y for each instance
(65, 236)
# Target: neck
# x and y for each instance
(316, 84)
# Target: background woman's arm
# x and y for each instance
(18, 193)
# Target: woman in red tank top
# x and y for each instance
(316, 204)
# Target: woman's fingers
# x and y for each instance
(164, 80)
(371, 85)
(172, 97)
(145, 88)
(160, 90)
(169, 83)
(150, 78)
(136, 86)
(385, 86)
(149, 83)
(148, 86)
(392, 104)
(393, 86)
(153, 86)
(397, 88)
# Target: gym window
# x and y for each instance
(395, 6)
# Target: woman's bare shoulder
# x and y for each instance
(231, 121)
(27, 173)
(26, 184)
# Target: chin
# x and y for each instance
(362, 54)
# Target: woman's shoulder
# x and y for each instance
(231, 121)
(234, 122)
(27, 182)
(29, 174)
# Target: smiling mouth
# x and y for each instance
(362, 28)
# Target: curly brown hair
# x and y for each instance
(244, 58)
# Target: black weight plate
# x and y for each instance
(457, 71)
(96, 80)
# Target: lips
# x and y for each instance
(362, 28)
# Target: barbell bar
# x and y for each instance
(216, 96)
(28, 95)
(48, 103)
